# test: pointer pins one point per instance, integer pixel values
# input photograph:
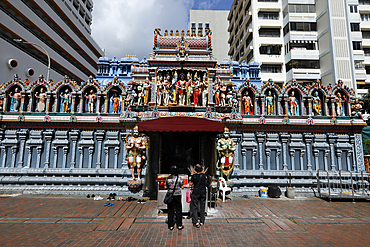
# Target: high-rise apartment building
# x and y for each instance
(202, 20)
(303, 40)
(62, 28)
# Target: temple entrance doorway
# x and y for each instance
(185, 150)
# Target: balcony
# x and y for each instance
(358, 55)
(303, 74)
(302, 54)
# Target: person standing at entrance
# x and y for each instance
(174, 185)
(198, 195)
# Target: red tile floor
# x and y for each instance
(28, 220)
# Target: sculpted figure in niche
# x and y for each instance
(181, 89)
(16, 100)
(217, 90)
(41, 100)
(65, 101)
(159, 91)
(223, 95)
(166, 90)
(90, 101)
(270, 103)
(116, 103)
(356, 109)
(205, 91)
(225, 148)
(340, 104)
(293, 105)
(146, 91)
(136, 152)
(316, 104)
(248, 104)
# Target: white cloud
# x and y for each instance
(125, 27)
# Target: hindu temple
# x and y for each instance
(180, 106)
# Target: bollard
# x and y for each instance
(290, 192)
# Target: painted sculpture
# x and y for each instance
(16, 100)
(41, 100)
(316, 104)
(65, 101)
(91, 101)
(136, 146)
(270, 102)
(356, 109)
(225, 149)
(340, 104)
(293, 108)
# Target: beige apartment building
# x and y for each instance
(303, 40)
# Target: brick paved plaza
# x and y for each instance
(28, 220)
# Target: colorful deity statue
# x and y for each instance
(340, 104)
(166, 90)
(223, 93)
(116, 103)
(316, 104)
(270, 103)
(140, 95)
(159, 91)
(181, 89)
(217, 92)
(135, 144)
(90, 101)
(16, 100)
(65, 103)
(225, 148)
(41, 100)
(146, 88)
(204, 91)
(247, 104)
(356, 109)
(293, 109)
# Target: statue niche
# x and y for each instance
(115, 100)
(89, 100)
(65, 99)
(247, 102)
(39, 99)
(14, 99)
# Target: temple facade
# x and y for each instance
(70, 136)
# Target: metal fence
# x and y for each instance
(343, 184)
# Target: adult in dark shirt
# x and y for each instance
(175, 206)
(198, 195)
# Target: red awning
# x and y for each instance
(178, 124)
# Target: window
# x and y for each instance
(353, 8)
(269, 32)
(367, 52)
(200, 25)
(268, 0)
(356, 45)
(271, 68)
(207, 25)
(270, 50)
(299, 8)
(248, 40)
(355, 27)
(366, 34)
(249, 56)
(365, 17)
(302, 64)
(193, 25)
(364, 2)
(268, 15)
(300, 26)
(302, 45)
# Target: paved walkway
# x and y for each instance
(27, 220)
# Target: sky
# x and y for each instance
(125, 27)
